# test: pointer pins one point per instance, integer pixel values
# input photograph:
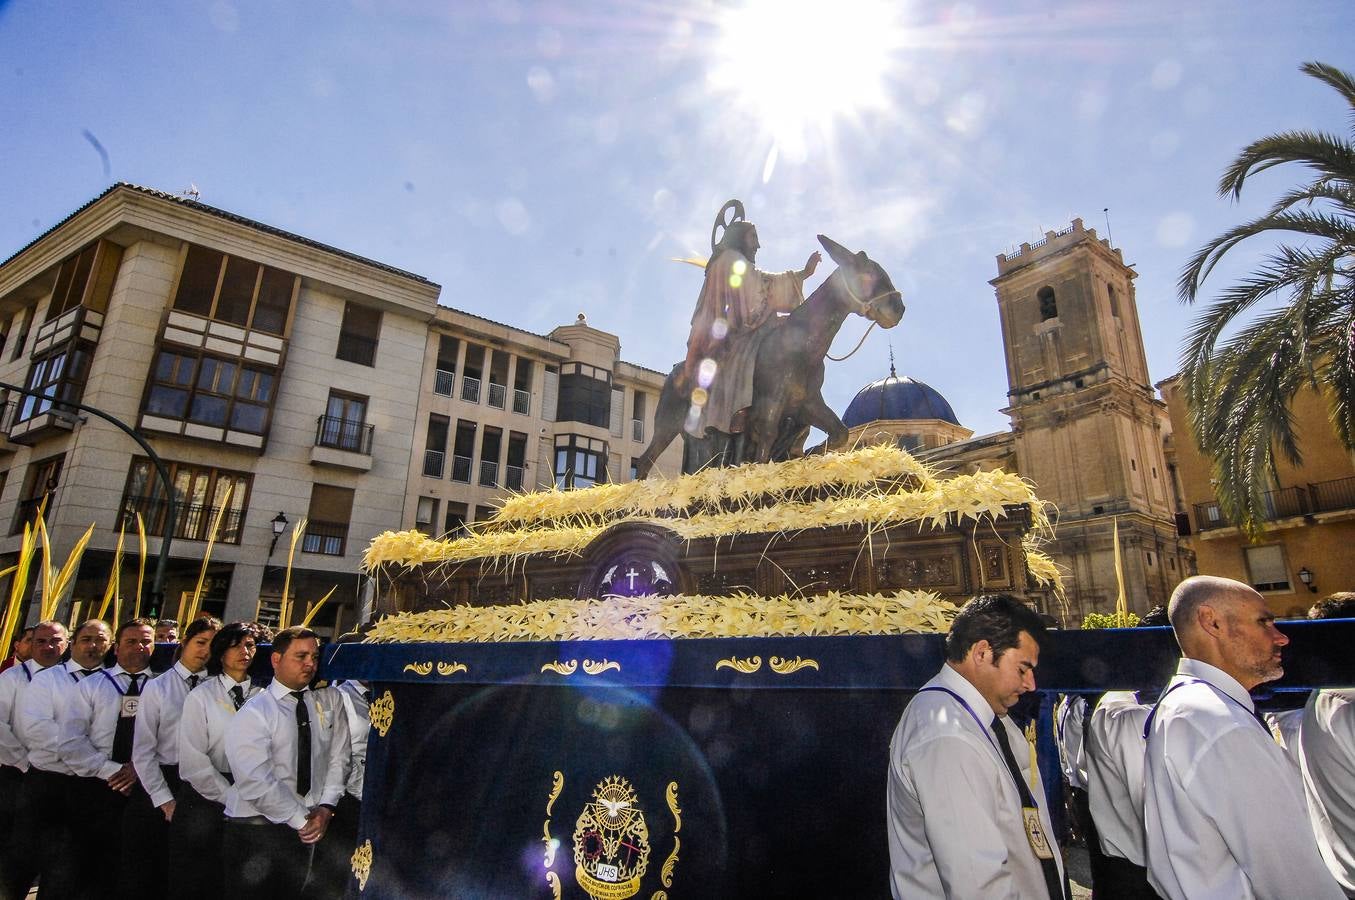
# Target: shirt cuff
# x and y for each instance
(297, 821)
(109, 769)
(161, 797)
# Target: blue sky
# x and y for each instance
(542, 159)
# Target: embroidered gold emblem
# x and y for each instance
(666, 874)
(746, 666)
(362, 862)
(611, 842)
(451, 668)
(561, 668)
(382, 713)
(597, 667)
(422, 668)
(787, 666)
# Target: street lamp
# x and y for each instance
(1307, 578)
(279, 526)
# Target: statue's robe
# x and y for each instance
(737, 304)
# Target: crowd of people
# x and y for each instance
(197, 782)
(1193, 796)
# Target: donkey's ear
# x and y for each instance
(840, 254)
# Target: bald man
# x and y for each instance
(1224, 813)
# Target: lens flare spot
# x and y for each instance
(705, 374)
(719, 328)
(740, 266)
(735, 280)
(699, 397)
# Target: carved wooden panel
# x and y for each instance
(995, 563)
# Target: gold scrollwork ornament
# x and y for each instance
(451, 668)
(669, 864)
(787, 666)
(598, 666)
(382, 713)
(419, 668)
(362, 864)
(746, 666)
(554, 881)
(561, 668)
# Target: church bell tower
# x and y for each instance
(1087, 426)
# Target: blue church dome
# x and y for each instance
(897, 398)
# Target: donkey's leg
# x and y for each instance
(669, 415)
(822, 417)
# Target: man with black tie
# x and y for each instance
(96, 742)
(288, 748)
(967, 816)
(50, 779)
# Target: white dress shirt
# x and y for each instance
(1114, 742)
(1284, 727)
(261, 748)
(1070, 716)
(207, 715)
(91, 722)
(155, 742)
(357, 706)
(1327, 761)
(1223, 808)
(12, 683)
(955, 824)
(42, 706)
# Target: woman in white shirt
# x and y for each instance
(195, 831)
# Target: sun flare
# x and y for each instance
(799, 65)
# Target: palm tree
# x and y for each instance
(1241, 372)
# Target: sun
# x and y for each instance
(796, 66)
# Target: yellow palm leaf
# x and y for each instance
(316, 608)
(113, 590)
(141, 565)
(285, 616)
(19, 584)
(65, 577)
(207, 555)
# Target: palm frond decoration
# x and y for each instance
(285, 618)
(113, 591)
(222, 505)
(310, 614)
(141, 564)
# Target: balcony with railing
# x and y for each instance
(444, 381)
(1284, 503)
(461, 466)
(498, 395)
(344, 443)
(433, 461)
(327, 538)
(522, 402)
(470, 389)
(637, 430)
(1329, 496)
(192, 522)
(489, 473)
(512, 477)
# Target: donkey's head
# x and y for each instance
(867, 288)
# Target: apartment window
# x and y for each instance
(358, 334)
(1049, 307)
(522, 386)
(455, 525)
(444, 376)
(472, 372)
(20, 324)
(231, 289)
(484, 513)
(463, 450)
(517, 461)
(579, 461)
(491, 440)
(201, 493)
(344, 425)
(210, 391)
(40, 484)
(637, 421)
(331, 510)
(498, 379)
(1266, 568)
(59, 376)
(585, 395)
(435, 446)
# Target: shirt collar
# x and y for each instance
(227, 682)
(949, 678)
(279, 690)
(72, 666)
(184, 673)
(1218, 678)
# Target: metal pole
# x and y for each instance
(171, 511)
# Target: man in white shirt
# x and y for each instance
(965, 805)
(1327, 761)
(1224, 815)
(18, 848)
(96, 742)
(49, 781)
(332, 867)
(288, 749)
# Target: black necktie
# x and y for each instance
(1051, 871)
(122, 734)
(238, 696)
(192, 681)
(303, 745)
(87, 672)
